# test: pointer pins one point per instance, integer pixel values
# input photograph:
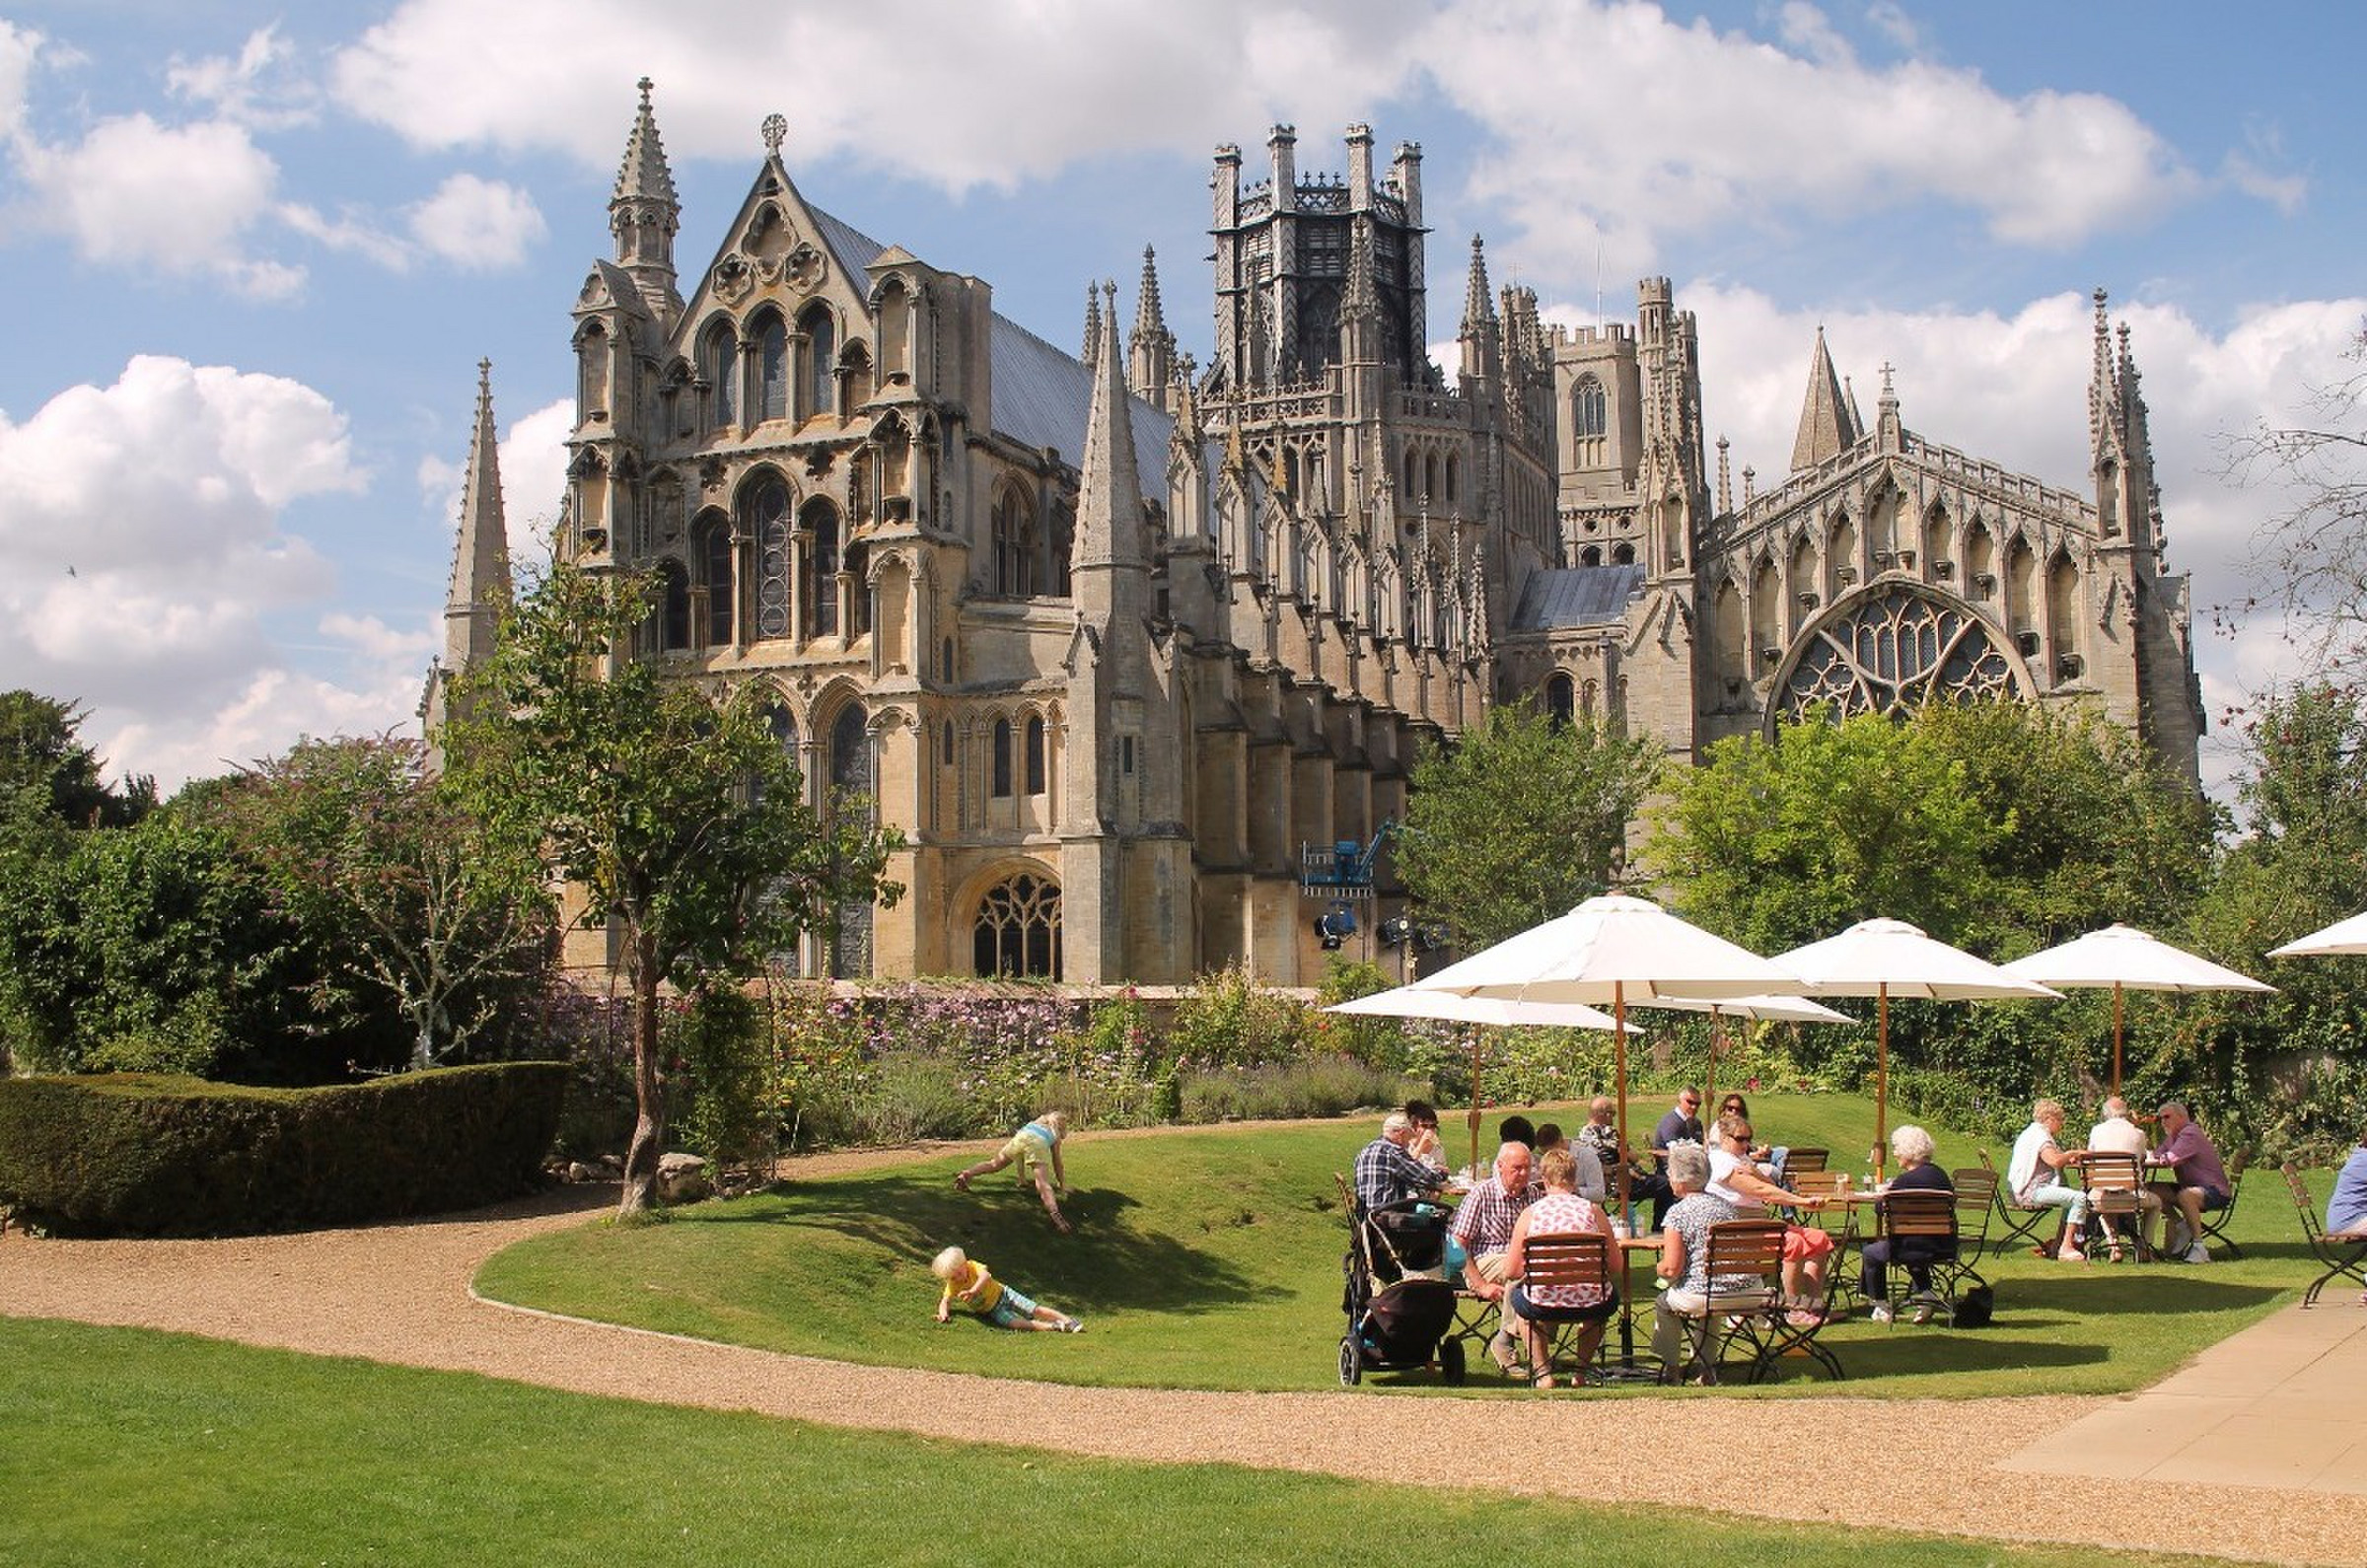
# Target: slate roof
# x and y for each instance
(1576, 596)
(1041, 394)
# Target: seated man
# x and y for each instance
(1588, 1178)
(2034, 1178)
(2201, 1180)
(2118, 1134)
(1807, 1252)
(1681, 1124)
(1484, 1227)
(1387, 1172)
(2346, 1209)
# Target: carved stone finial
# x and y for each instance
(645, 84)
(775, 132)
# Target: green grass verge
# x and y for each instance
(123, 1445)
(1211, 1258)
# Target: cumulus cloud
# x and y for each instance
(18, 46)
(143, 546)
(261, 85)
(140, 194)
(1682, 128)
(1042, 86)
(478, 225)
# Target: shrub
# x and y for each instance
(1321, 1086)
(1230, 1021)
(155, 1156)
(722, 1044)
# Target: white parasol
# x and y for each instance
(1882, 959)
(1614, 949)
(2126, 958)
(2342, 938)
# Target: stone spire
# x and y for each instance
(1108, 487)
(1151, 347)
(1725, 481)
(480, 591)
(644, 212)
(1827, 427)
(1480, 335)
(1093, 324)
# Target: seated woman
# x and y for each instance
(1807, 1252)
(1685, 1254)
(1561, 1212)
(1911, 1148)
(1768, 1159)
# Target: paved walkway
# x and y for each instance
(2283, 1404)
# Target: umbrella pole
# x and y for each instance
(1709, 1094)
(1619, 1037)
(2117, 1006)
(1882, 1076)
(1472, 1120)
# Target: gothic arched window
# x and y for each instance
(820, 524)
(821, 358)
(1035, 757)
(719, 363)
(715, 576)
(1057, 548)
(764, 515)
(772, 369)
(1018, 929)
(1562, 699)
(1590, 422)
(999, 764)
(1013, 545)
(858, 601)
(1894, 651)
(674, 608)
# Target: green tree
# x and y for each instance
(1777, 843)
(1519, 820)
(669, 810)
(444, 918)
(41, 752)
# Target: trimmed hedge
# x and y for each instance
(139, 1155)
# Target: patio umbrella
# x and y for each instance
(1408, 1001)
(2126, 958)
(1614, 949)
(1882, 959)
(1752, 1010)
(2343, 937)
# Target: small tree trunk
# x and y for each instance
(649, 1125)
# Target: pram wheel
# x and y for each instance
(1351, 1363)
(1451, 1362)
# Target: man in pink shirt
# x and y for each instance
(2201, 1180)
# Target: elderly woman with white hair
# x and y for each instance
(1911, 1148)
(1683, 1266)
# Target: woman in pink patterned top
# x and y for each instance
(1561, 1212)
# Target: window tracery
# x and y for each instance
(1018, 929)
(1895, 651)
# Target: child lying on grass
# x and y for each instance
(991, 1299)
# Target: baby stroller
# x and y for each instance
(1397, 1314)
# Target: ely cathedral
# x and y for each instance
(1124, 644)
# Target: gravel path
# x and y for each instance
(399, 1294)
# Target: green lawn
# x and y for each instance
(1210, 1258)
(121, 1446)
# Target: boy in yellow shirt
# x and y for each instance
(982, 1293)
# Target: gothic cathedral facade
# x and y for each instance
(1135, 652)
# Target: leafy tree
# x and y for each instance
(444, 918)
(1519, 820)
(670, 811)
(41, 750)
(2310, 560)
(1777, 843)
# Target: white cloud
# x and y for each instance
(1685, 128)
(17, 46)
(1045, 84)
(139, 195)
(142, 547)
(479, 225)
(373, 638)
(259, 86)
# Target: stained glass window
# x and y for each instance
(1896, 650)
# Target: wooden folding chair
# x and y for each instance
(1976, 1205)
(1581, 1259)
(2117, 1195)
(2344, 1256)
(1836, 1220)
(2214, 1221)
(1753, 1317)
(1803, 1161)
(2032, 1223)
(1921, 1220)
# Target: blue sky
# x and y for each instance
(254, 255)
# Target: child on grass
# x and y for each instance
(1032, 1148)
(980, 1292)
